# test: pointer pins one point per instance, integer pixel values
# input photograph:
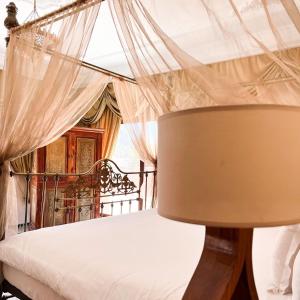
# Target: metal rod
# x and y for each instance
(91, 197)
(140, 207)
(88, 65)
(146, 190)
(91, 210)
(153, 189)
(76, 206)
(112, 208)
(119, 201)
(44, 192)
(93, 204)
(108, 72)
(55, 197)
(28, 177)
(141, 180)
(79, 213)
(81, 174)
(102, 206)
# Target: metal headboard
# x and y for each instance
(90, 191)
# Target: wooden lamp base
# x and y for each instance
(225, 268)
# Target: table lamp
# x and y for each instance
(231, 168)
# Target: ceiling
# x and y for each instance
(105, 50)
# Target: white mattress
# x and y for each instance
(137, 256)
(33, 288)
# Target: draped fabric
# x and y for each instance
(264, 77)
(106, 100)
(138, 115)
(258, 73)
(171, 68)
(105, 114)
(23, 163)
(45, 91)
(171, 57)
(250, 70)
(110, 122)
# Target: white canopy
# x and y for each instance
(106, 51)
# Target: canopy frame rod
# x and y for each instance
(60, 13)
(12, 24)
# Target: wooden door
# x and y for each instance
(75, 152)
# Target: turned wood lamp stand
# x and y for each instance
(225, 267)
(231, 168)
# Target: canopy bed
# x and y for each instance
(47, 88)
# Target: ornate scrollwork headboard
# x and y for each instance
(104, 179)
(72, 197)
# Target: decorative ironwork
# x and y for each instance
(104, 181)
(113, 183)
(69, 197)
(78, 189)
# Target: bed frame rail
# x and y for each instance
(104, 190)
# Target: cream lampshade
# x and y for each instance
(231, 166)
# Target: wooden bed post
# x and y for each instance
(11, 19)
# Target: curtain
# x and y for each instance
(23, 163)
(110, 122)
(275, 83)
(105, 114)
(171, 58)
(258, 73)
(106, 100)
(140, 119)
(45, 91)
(167, 55)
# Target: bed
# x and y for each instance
(135, 256)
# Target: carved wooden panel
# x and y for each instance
(84, 213)
(49, 208)
(85, 157)
(56, 156)
(76, 151)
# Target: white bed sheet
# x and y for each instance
(137, 256)
(33, 288)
